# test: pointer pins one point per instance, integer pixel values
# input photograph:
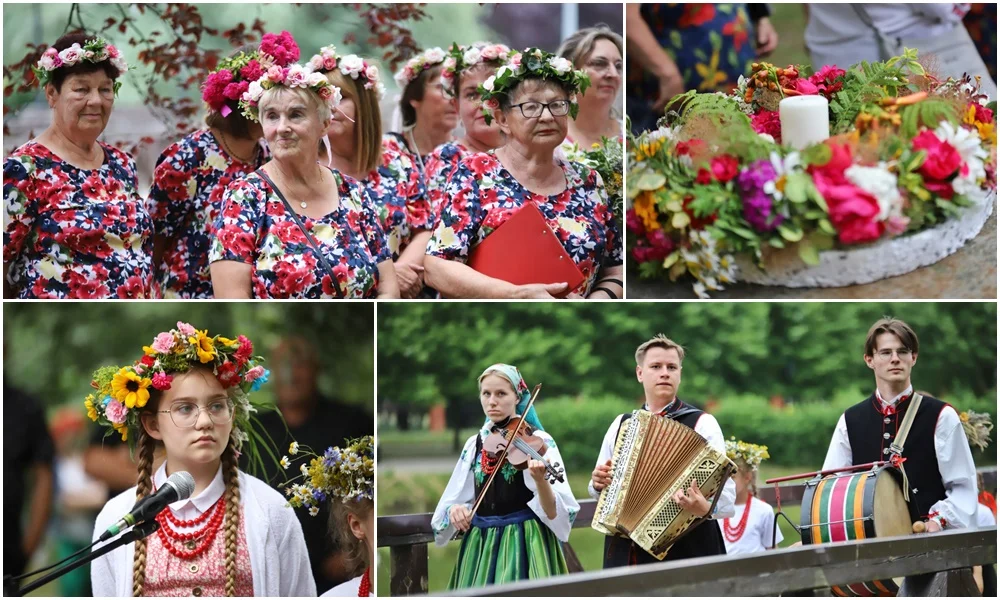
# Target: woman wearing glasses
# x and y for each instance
(531, 98)
(188, 397)
(597, 51)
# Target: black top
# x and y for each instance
(507, 494)
(26, 444)
(870, 433)
(757, 11)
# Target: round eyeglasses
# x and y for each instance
(185, 414)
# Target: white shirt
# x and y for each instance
(984, 516)
(708, 428)
(759, 529)
(461, 489)
(958, 472)
(279, 559)
(348, 589)
(194, 507)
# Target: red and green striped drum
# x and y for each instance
(856, 506)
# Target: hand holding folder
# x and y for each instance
(524, 250)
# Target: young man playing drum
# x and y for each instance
(938, 463)
(658, 369)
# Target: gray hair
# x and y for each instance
(579, 45)
(311, 99)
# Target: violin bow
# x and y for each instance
(503, 457)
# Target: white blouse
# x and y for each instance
(958, 472)
(708, 428)
(759, 528)
(278, 556)
(461, 489)
(348, 589)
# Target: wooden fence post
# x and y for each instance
(408, 573)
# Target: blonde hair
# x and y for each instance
(356, 549)
(657, 341)
(311, 99)
(368, 125)
(145, 445)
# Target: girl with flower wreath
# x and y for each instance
(355, 147)
(464, 70)
(346, 477)
(192, 174)
(295, 228)
(74, 223)
(188, 397)
(517, 529)
(426, 114)
(752, 528)
(532, 98)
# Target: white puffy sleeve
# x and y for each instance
(566, 505)
(607, 451)
(461, 489)
(958, 472)
(708, 428)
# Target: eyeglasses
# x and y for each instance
(533, 110)
(601, 65)
(902, 353)
(186, 414)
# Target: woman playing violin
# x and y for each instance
(513, 523)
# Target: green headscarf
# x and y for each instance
(511, 374)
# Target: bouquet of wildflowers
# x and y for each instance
(347, 474)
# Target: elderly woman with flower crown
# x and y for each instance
(428, 115)
(75, 226)
(522, 516)
(356, 148)
(294, 228)
(752, 528)
(464, 70)
(345, 477)
(192, 174)
(531, 98)
(188, 398)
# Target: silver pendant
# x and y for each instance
(302, 204)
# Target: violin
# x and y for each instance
(519, 440)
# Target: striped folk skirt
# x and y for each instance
(507, 548)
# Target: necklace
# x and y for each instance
(416, 151)
(229, 151)
(366, 584)
(172, 539)
(733, 534)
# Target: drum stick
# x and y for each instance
(827, 472)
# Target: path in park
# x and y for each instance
(427, 464)
(969, 273)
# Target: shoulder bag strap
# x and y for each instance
(896, 447)
(309, 237)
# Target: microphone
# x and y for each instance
(177, 487)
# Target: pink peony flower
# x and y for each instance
(254, 374)
(116, 412)
(185, 328)
(942, 161)
(163, 343)
(767, 121)
(252, 71)
(282, 48)
(162, 381)
(277, 74)
(245, 351)
(234, 91)
(515, 61)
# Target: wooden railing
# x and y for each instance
(407, 537)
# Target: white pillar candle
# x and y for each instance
(805, 120)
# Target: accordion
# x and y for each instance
(654, 457)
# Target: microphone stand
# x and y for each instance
(138, 532)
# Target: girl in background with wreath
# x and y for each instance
(188, 397)
(752, 528)
(517, 529)
(345, 477)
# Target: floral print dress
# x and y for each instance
(75, 233)
(483, 194)
(397, 188)
(712, 45)
(440, 167)
(255, 228)
(189, 181)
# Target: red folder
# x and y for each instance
(524, 250)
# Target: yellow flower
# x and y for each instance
(228, 342)
(645, 209)
(964, 417)
(91, 409)
(130, 389)
(148, 350)
(122, 429)
(204, 345)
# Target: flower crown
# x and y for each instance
(122, 392)
(293, 76)
(346, 473)
(977, 428)
(532, 63)
(227, 84)
(461, 58)
(351, 65)
(94, 51)
(418, 64)
(751, 454)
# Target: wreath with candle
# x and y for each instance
(792, 168)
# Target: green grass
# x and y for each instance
(393, 443)
(400, 493)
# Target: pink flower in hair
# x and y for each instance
(116, 412)
(162, 381)
(185, 328)
(164, 343)
(252, 71)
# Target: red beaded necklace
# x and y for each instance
(489, 463)
(734, 534)
(172, 540)
(366, 584)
